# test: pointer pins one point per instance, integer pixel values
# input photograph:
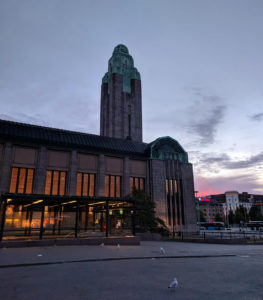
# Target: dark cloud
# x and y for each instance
(215, 162)
(207, 114)
(252, 161)
(257, 117)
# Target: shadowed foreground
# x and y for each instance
(236, 277)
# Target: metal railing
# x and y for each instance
(232, 235)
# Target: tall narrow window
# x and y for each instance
(29, 185)
(107, 186)
(92, 185)
(13, 181)
(62, 185)
(48, 182)
(79, 184)
(136, 183)
(168, 190)
(21, 181)
(129, 124)
(167, 186)
(131, 185)
(141, 183)
(172, 201)
(175, 186)
(182, 200)
(171, 187)
(118, 186)
(55, 182)
(85, 184)
(112, 186)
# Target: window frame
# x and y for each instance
(25, 184)
(132, 182)
(108, 191)
(59, 182)
(88, 184)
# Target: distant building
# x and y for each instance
(221, 204)
(258, 201)
(211, 209)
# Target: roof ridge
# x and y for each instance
(68, 131)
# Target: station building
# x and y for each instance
(57, 182)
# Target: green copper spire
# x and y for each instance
(121, 62)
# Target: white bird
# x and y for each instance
(173, 284)
(118, 246)
(102, 244)
(162, 250)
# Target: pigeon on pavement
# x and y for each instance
(173, 284)
(162, 250)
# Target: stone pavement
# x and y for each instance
(209, 275)
(10, 256)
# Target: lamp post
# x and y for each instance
(198, 210)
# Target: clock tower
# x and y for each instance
(121, 105)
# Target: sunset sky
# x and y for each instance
(201, 64)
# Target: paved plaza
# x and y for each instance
(204, 271)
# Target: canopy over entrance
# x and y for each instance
(45, 216)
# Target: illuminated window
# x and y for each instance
(172, 201)
(167, 186)
(85, 184)
(21, 181)
(112, 186)
(55, 182)
(136, 183)
(171, 186)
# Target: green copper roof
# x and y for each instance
(122, 63)
(167, 148)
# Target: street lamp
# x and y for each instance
(198, 209)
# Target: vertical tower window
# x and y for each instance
(182, 200)
(112, 186)
(55, 182)
(21, 181)
(172, 198)
(129, 125)
(168, 200)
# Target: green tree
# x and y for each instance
(231, 217)
(255, 213)
(218, 218)
(202, 217)
(146, 221)
(241, 215)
